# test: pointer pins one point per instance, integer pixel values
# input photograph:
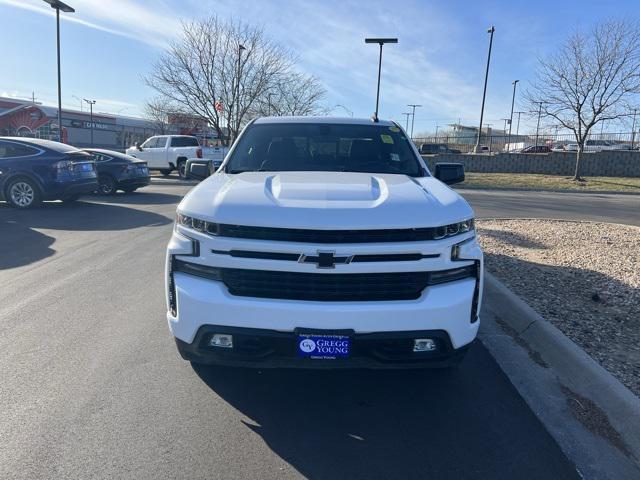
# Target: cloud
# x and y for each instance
(125, 18)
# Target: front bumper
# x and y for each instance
(262, 348)
(197, 304)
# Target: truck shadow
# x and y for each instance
(465, 423)
(21, 242)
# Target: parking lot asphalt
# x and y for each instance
(92, 386)
(596, 207)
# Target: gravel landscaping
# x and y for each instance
(583, 277)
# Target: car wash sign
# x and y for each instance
(323, 347)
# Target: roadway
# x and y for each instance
(93, 386)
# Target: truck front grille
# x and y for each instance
(325, 287)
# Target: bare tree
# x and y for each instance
(591, 79)
(157, 112)
(214, 62)
(293, 94)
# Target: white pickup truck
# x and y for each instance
(324, 242)
(167, 152)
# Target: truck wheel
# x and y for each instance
(165, 172)
(182, 169)
(23, 193)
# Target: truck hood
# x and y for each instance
(325, 200)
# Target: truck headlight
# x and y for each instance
(453, 229)
(192, 222)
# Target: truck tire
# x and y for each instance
(165, 172)
(182, 169)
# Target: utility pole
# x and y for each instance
(513, 101)
(490, 31)
(91, 104)
(413, 116)
(437, 127)
(407, 115)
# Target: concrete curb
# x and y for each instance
(570, 364)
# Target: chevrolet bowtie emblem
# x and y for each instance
(325, 259)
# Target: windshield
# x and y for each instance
(324, 147)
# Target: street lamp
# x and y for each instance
(538, 125)
(484, 93)
(518, 124)
(633, 129)
(513, 100)
(91, 104)
(240, 49)
(407, 114)
(58, 5)
(269, 103)
(413, 116)
(379, 41)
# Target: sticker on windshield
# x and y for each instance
(395, 157)
(387, 138)
(394, 129)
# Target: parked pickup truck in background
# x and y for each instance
(167, 152)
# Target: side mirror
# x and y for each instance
(198, 169)
(449, 173)
(139, 147)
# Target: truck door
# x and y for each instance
(160, 152)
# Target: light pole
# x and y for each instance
(381, 42)
(407, 114)
(437, 127)
(513, 100)
(538, 125)
(633, 129)
(240, 49)
(269, 101)
(413, 116)
(518, 125)
(484, 92)
(58, 5)
(91, 104)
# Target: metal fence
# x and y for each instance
(502, 142)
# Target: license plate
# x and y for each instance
(323, 347)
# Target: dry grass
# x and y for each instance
(531, 181)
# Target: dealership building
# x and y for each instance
(116, 132)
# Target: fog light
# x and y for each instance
(221, 340)
(424, 345)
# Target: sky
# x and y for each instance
(109, 46)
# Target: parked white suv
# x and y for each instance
(324, 242)
(167, 152)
